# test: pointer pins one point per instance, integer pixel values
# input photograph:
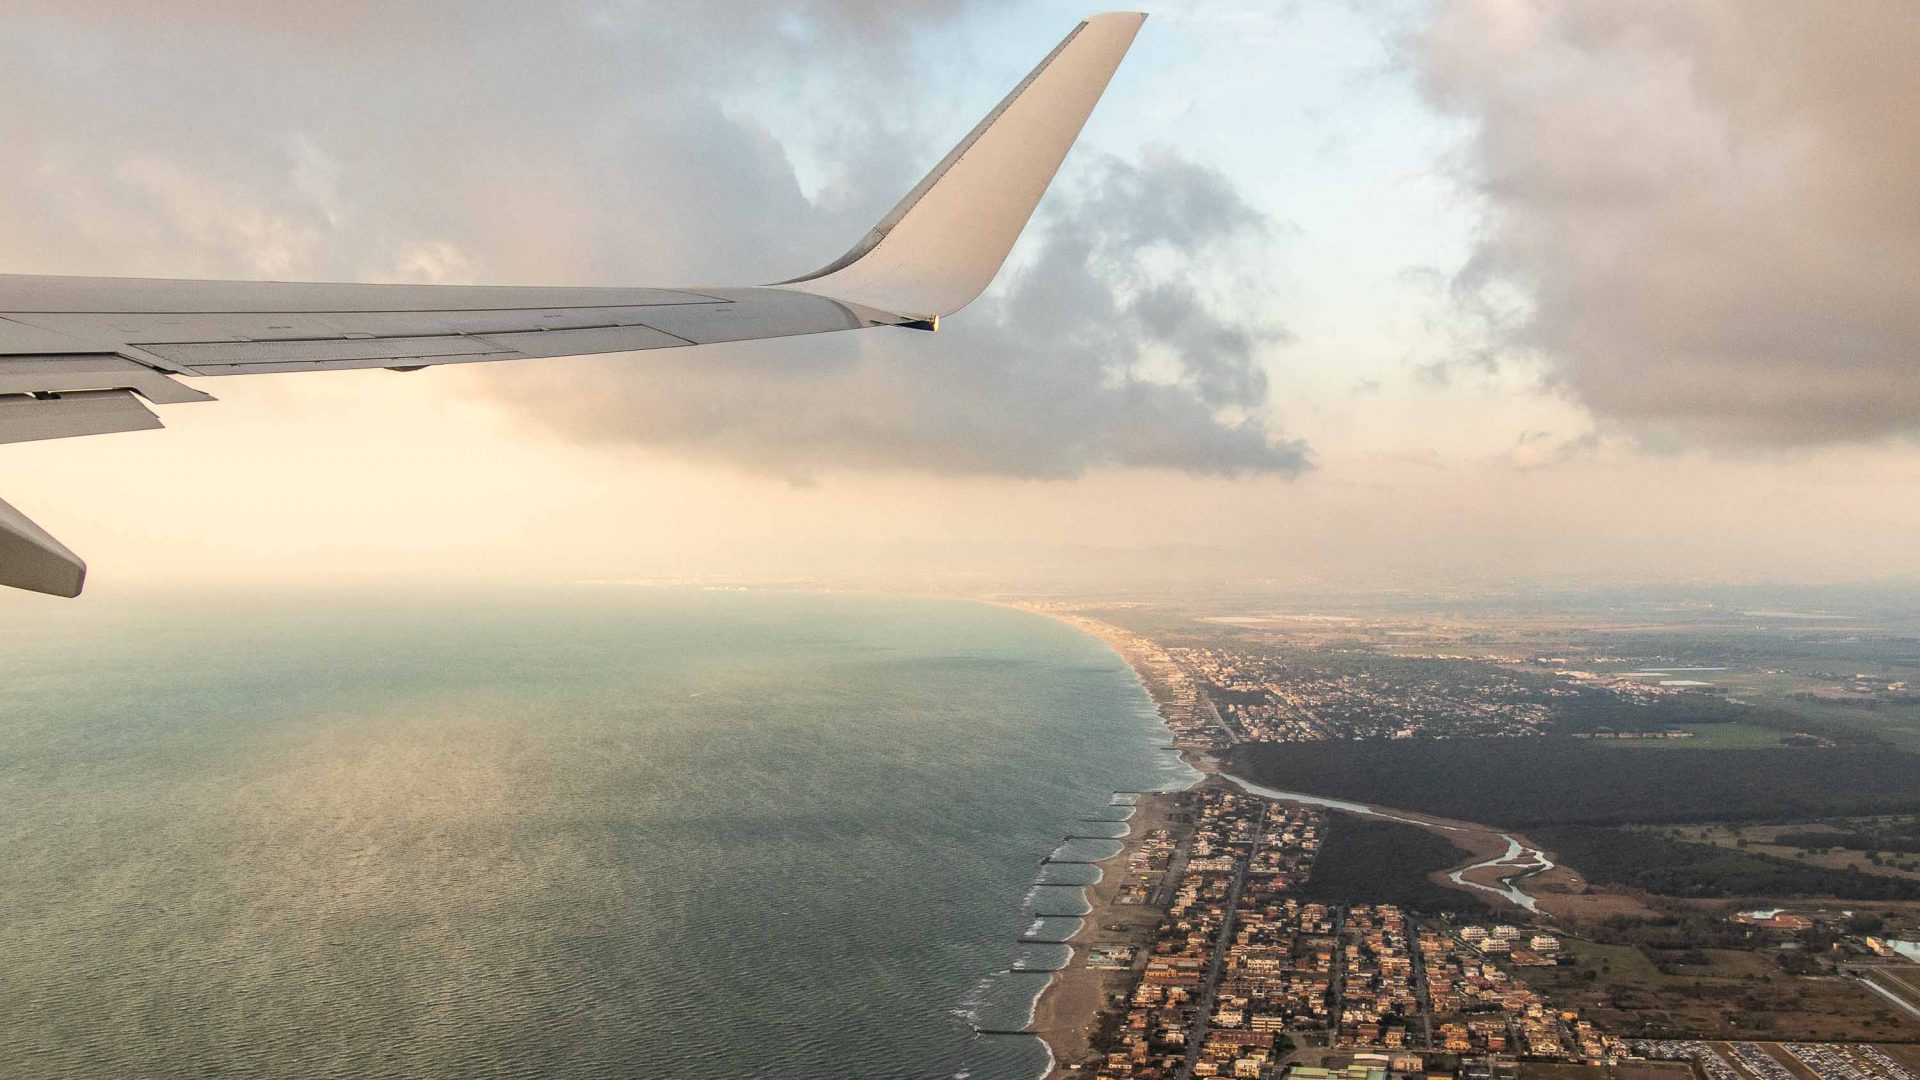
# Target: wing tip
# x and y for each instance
(986, 188)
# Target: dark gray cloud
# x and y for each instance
(1700, 216)
(629, 143)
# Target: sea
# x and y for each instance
(602, 832)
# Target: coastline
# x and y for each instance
(1495, 867)
(1071, 1006)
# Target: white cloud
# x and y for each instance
(1707, 209)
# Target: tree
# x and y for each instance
(1866, 923)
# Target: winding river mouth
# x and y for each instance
(1520, 860)
(1523, 861)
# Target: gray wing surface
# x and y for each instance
(85, 356)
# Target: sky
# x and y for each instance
(1368, 293)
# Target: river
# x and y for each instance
(1523, 860)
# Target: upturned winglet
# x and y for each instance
(941, 247)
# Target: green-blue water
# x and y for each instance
(618, 833)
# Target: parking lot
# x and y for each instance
(1784, 1061)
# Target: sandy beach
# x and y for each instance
(1070, 1007)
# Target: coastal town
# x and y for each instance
(1266, 698)
(1243, 978)
(1230, 961)
(1221, 684)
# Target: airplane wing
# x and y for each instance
(83, 356)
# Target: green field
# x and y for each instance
(1705, 737)
(1893, 723)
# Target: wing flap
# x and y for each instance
(24, 418)
(91, 371)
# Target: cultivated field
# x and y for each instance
(1734, 995)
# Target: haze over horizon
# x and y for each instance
(1338, 293)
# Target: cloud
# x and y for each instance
(1542, 449)
(576, 141)
(1700, 217)
(624, 143)
(1099, 352)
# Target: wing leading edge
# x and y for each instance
(79, 356)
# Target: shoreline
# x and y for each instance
(1076, 998)
(1071, 1006)
(1493, 867)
